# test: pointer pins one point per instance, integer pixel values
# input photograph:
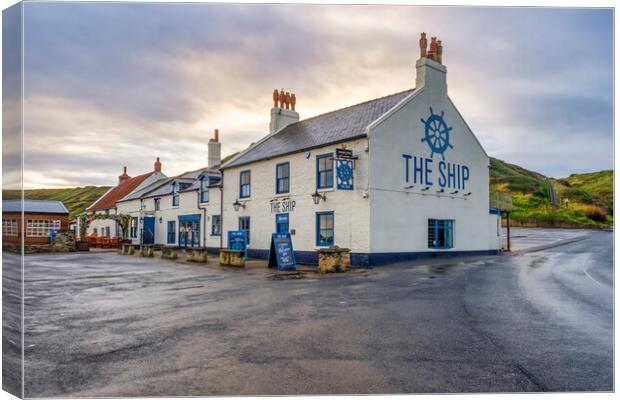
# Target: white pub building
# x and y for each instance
(393, 178)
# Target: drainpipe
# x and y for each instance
(204, 217)
(222, 210)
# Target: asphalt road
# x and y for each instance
(110, 325)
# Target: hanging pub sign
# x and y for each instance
(238, 240)
(344, 153)
(344, 174)
(281, 253)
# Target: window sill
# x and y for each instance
(327, 189)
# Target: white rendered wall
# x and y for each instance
(399, 215)
(101, 224)
(351, 210)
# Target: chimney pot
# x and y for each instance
(122, 178)
(423, 45)
(216, 135)
(276, 97)
(157, 166)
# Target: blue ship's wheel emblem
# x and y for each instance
(436, 133)
(344, 172)
(237, 246)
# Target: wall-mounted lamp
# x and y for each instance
(455, 192)
(237, 205)
(317, 197)
(440, 190)
(160, 220)
(467, 194)
(426, 188)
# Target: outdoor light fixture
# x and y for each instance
(455, 192)
(467, 194)
(317, 197)
(160, 220)
(426, 188)
(237, 205)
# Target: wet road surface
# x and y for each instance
(110, 325)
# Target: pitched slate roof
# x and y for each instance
(35, 206)
(109, 199)
(329, 128)
(148, 188)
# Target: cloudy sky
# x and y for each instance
(111, 84)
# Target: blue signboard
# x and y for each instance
(344, 174)
(281, 254)
(281, 223)
(238, 240)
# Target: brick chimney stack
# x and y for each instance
(122, 178)
(283, 112)
(157, 165)
(214, 156)
(430, 72)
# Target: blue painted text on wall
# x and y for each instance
(422, 171)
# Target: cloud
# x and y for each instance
(113, 84)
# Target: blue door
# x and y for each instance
(281, 223)
(148, 230)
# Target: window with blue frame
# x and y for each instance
(325, 171)
(440, 233)
(244, 184)
(244, 225)
(204, 189)
(175, 194)
(216, 225)
(325, 228)
(283, 178)
(172, 231)
(133, 228)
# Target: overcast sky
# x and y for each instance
(112, 84)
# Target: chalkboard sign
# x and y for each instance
(238, 240)
(281, 254)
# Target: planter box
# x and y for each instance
(334, 259)
(233, 258)
(170, 252)
(197, 254)
(146, 250)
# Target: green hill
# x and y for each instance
(581, 200)
(75, 199)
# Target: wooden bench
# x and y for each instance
(233, 258)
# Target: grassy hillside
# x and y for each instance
(75, 199)
(584, 200)
(581, 199)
